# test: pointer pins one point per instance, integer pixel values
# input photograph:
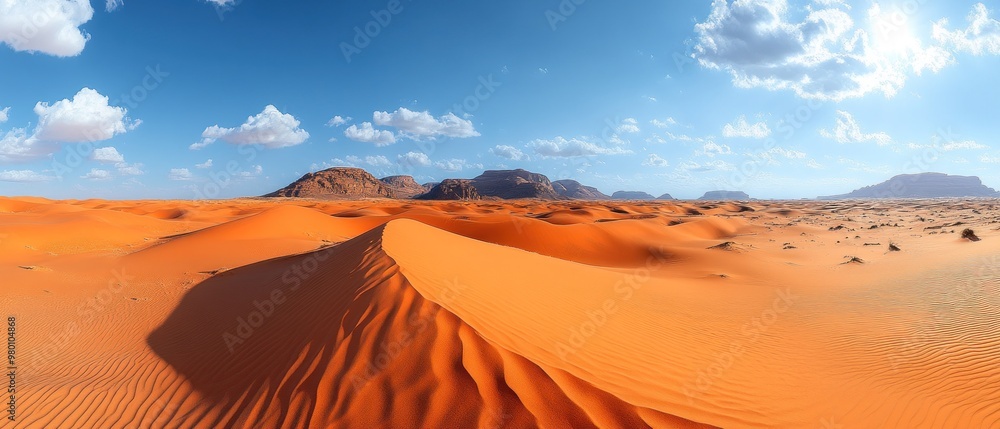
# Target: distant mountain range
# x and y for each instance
(923, 185)
(354, 183)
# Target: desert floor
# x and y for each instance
(398, 314)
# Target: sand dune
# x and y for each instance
(304, 314)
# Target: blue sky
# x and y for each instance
(224, 98)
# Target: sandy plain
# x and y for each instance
(494, 314)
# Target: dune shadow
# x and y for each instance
(250, 337)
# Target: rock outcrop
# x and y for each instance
(725, 196)
(452, 189)
(632, 195)
(923, 185)
(337, 183)
(574, 190)
(513, 184)
(405, 186)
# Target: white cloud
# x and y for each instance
(97, 174)
(357, 161)
(982, 36)
(85, 118)
(666, 123)
(23, 176)
(107, 154)
(561, 147)
(848, 131)
(112, 5)
(269, 128)
(368, 134)
(221, 2)
(451, 165)
(509, 152)
(414, 159)
(654, 160)
(742, 128)
(253, 172)
(338, 120)
(180, 174)
(628, 126)
(713, 165)
(949, 146)
(47, 26)
(711, 149)
(418, 125)
(126, 169)
(4, 114)
(820, 54)
(206, 164)
(989, 159)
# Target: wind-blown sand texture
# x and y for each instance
(397, 314)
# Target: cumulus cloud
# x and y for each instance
(666, 123)
(86, 118)
(848, 131)
(711, 149)
(414, 159)
(654, 160)
(561, 147)
(628, 126)
(366, 133)
(180, 174)
(23, 176)
(509, 152)
(742, 128)
(451, 165)
(821, 54)
(421, 125)
(4, 114)
(126, 169)
(46, 26)
(338, 120)
(206, 164)
(97, 174)
(269, 128)
(107, 154)
(982, 36)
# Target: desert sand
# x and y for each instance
(398, 314)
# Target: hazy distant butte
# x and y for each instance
(924, 185)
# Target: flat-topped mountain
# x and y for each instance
(632, 195)
(512, 184)
(574, 190)
(923, 185)
(725, 196)
(340, 182)
(405, 186)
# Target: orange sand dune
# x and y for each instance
(376, 313)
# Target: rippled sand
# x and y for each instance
(297, 313)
